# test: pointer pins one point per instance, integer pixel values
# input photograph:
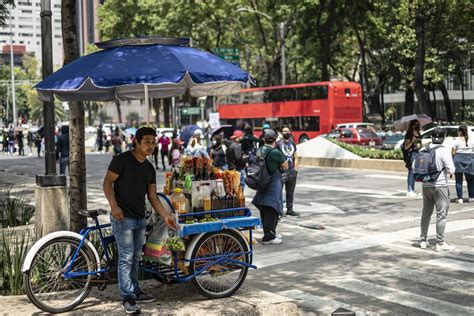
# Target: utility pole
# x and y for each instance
(51, 200)
(283, 62)
(12, 67)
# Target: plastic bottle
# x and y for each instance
(206, 199)
(179, 201)
(241, 197)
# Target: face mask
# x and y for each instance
(287, 136)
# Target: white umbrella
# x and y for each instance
(403, 123)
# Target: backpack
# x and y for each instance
(258, 176)
(424, 168)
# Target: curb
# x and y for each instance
(371, 164)
(176, 299)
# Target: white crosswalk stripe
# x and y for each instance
(453, 264)
(408, 299)
(321, 304)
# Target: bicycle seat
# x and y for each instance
(93, 213)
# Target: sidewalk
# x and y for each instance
(176, 299)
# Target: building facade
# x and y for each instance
(26, 29)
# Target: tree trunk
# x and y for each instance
(156, 106)
(166, 111)
(119, 110)
(463, 103)
(89, 113)
(420, 63)
(447, 102)
(325, 35)
(77, 161)
(409, 100)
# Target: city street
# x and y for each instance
(355, 244)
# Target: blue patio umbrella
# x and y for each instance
(139, 68)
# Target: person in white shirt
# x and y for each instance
(463, 152)
(436, 194)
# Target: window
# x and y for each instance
(291, 122)
(26, 34)
(452, 132)
(25, 26)
(26, 11)
(57, 6)
(25, 18)
(313, 93)
(25, 3)
(346, 133)
(57, 36)
(310, 123)
(365, 133)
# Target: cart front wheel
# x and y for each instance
(45, 284)
(216, 258)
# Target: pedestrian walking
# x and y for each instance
(410, 147)
(100, 139)
(11, 141)
(20, 138)
(463, 152)
(288, 148)
(176, 152)
(117, 142)
(436, 192)
(30, 141)
(62, 149)
(269, 201)
(38, 142)
(249, 144)
(218, 155)
(164, 142)
(129, 178)
(5, 141)
(235, 156)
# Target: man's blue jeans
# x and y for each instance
(130, 236)
(63, 164)
(410, 181)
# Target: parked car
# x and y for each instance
(390, 139)
(451, 135)
(369, 126)
(90, 130)
(359, 136)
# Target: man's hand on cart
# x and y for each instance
(170, 222)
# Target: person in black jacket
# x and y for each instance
(235, 156)
(218, 154)
(62, 149)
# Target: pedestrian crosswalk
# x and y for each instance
(388, 292)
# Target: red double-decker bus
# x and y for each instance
(309, 109)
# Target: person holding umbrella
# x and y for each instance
(412, 144)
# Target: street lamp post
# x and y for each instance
(12, 67)
(282, 34)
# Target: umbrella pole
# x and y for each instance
(147, 105)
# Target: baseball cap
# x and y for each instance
(438, 135)
(270, 134)
(237, 133)
(145, 131)
(265, 126)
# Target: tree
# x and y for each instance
(5, 6)
(77, 156)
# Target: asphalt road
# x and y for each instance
(366, 258)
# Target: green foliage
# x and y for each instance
(374, 153)
(5, 6)
(14, 210)
(13, 250)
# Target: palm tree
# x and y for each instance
(77, 155)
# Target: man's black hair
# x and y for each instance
(144, 131)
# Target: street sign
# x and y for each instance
(231, 55)
(191, 111)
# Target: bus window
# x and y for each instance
(288, 95)
(310, 123)
(272, 95)
(291, 122)
(312, 93)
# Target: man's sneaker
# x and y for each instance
(145, 298)
(424, 244)
(279, 236)
(444, 247)
(412, 194)
(130, 307)
(292, 213)
(460, 201)
(274, 241)
(471, 200)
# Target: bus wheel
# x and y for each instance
(303, 138)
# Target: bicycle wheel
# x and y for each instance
(45, 284)
(223, 278)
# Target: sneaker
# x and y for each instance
(444, 247)
(274, 241)
(412, 194)
(460, 201)
(145, 298)
(471, 200)
(424, 244)
(279, 236)
(292, 213)
(131, 307)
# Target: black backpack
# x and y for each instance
(258, 176)
(424, 168)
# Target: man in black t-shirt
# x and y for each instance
(129, 178)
